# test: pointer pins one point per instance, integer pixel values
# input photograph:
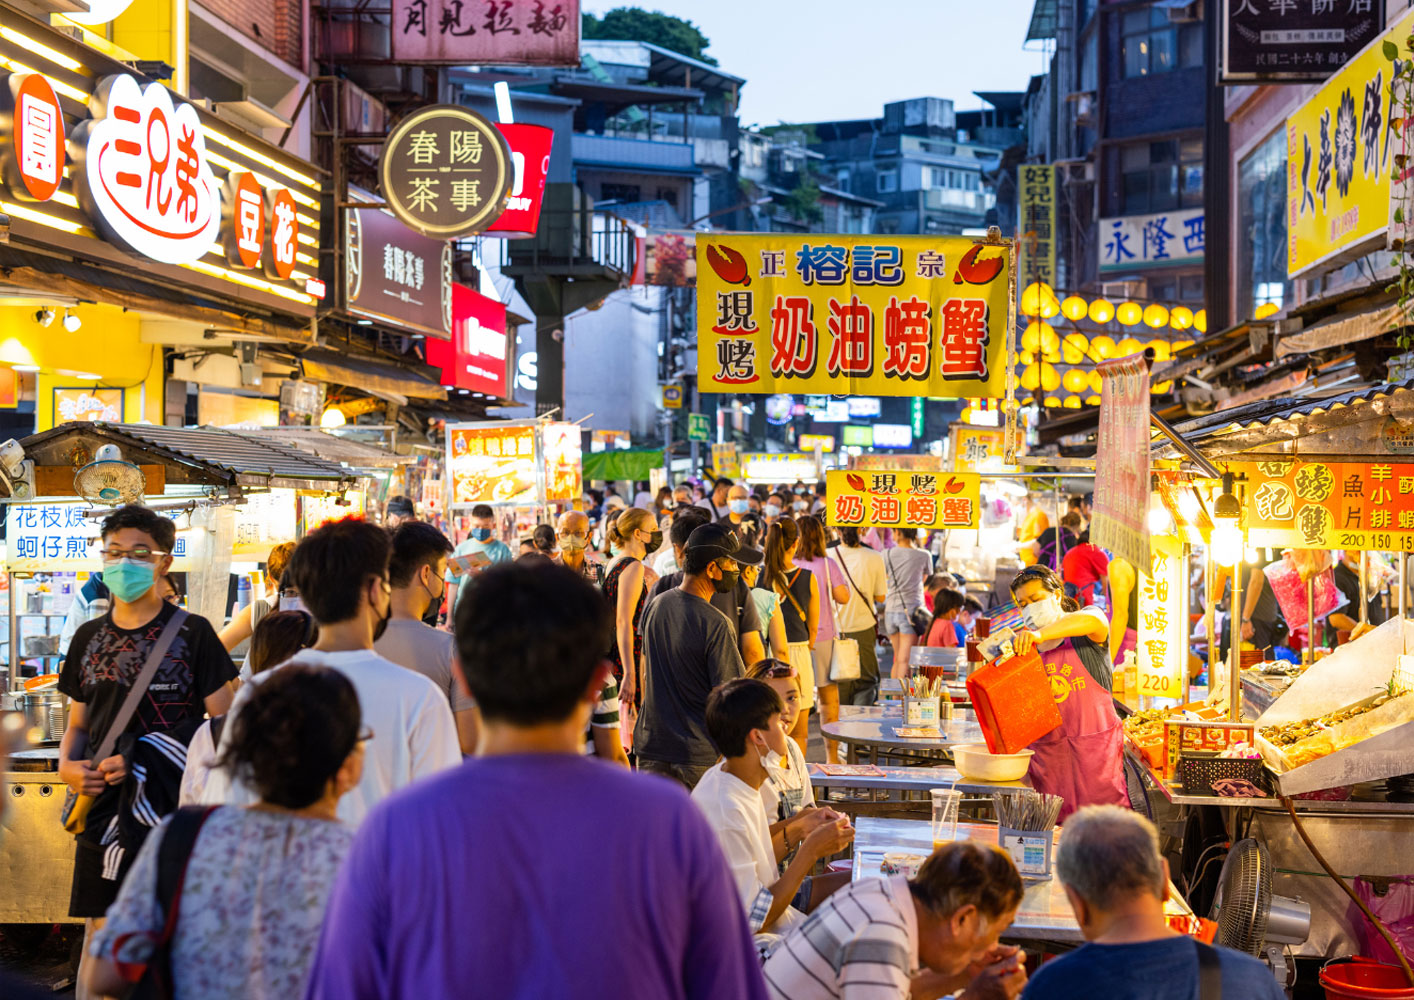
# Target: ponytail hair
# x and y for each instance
(783, 534)
(1048, 579)
(630, 520)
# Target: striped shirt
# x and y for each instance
(605, 714)
(860, 944)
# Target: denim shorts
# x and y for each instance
(898, 622)
(801, 900)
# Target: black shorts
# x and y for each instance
(92, 894)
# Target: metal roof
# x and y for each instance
(337, 448)
(1043, 21)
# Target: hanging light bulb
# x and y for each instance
(1155, 315)
(1031, 298)
(1226, 544)
(1180, 317)
(1200, 321)
(1160, 521)
(333, 417)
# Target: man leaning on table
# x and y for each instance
(889, 938)
(1108, 861)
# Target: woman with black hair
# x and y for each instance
(1082, 759)
(255, 880)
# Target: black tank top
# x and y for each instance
(798, 586)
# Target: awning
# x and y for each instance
(369, 375)
(333, 447)
(622, 463)
(1215, 353)
(1343, 328)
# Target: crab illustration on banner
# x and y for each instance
(901, 498)
(142, 172)
(853, 315)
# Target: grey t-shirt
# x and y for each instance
(689, 648)
(427, 651)
(737, 605)
(904, 573)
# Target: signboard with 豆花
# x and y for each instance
(1143, 240)
(902, 499)
(852, 315)
(1330, 505)
(492, 464)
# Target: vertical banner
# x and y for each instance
(1037, 224)
(725, 460)
(1163, 649)
(976, 449)
(1122, 461)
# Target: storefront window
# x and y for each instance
(1261, 227)
(1153, 43)
(1161, 176)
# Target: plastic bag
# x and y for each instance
(1392, 900)
(1284, 577)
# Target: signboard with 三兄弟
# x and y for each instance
(1330, 505)
(852, 315)
(1176, 237)
(902, 499)
(446, 171)
(1162, 652)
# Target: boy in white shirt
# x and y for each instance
(744, 724)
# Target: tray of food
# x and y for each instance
(1289, 745)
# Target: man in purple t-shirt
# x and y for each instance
(531, 870)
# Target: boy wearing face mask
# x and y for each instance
(744, 722)
(103, 662)
(482, 540)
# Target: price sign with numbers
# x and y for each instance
(1162, 651)
(1330, 505)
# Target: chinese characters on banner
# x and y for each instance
(1291, 41)
(1122, 461)
(852, 315)
(1340, 149)
(446, 171)
(1163, 649)
(1330, 505)
(262, 522)
(975, 449)
(725, 460)
(488, 32)
(50, 538)
(88, 404)
(564, 481)
(901, 499)
(1164, 238)
(1037, 246)
(318, 508)
(491, 464)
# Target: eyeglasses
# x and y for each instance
(139, 552)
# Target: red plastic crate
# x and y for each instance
(1013, 702)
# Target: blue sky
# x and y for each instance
(810, 60)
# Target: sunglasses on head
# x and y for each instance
(779, 671)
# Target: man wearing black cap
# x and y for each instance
(399, 509)
(689, 648)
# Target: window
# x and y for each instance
(1152, 44)
(1161, 176)
(1261, 227)
(887, 181)
(670, 195)
(935, 177)
(842, 180)
(618, 192)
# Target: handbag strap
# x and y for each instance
(140, 685)
(1210, 972)
(796, 604)
(850, 577)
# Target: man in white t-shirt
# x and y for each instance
(858, 619)
(716, 503)
(744, 723)
(341, 574)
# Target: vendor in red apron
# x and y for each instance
(1081, 760)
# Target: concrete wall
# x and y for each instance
(611, 363)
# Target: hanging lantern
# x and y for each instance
(1266, 309)
(1155, 316)
(1074, 348)
(1160, 349)
(1050, 305)
(1075, 380)
(1031, 336)
(1031, 378)
(1129, 313)
(1071, 403)
(1096, 382)
(1102, 347)
(1092, 400)
(1161, 388)
(1200, 321)
(1126, 347)
(1180, 317)
(1051, 401)
(1101, 311)
(1032, 297)
(1074, 308)
(1050, 378)
(1028, 357)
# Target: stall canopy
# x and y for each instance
(333, 447)
(622, 463)
(197, 458)
(369, 375)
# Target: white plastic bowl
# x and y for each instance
(975, 762)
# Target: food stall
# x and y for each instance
(526, 469)
(198, 477)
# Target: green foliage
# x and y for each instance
(638, 25)
(1402, 87)
(803, 202)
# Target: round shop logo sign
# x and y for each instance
(99, 11)
(142, 173)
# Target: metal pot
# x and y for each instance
(46, 712)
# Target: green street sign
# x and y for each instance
(699, 427)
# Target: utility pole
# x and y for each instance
(693, 402)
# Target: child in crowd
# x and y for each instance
(787, 790)
(946, 606)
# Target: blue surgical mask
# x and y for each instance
(481, 534)
(800, 505)
(772, 510)
(738, 506)
(129, 579)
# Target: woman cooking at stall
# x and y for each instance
(1082, 759)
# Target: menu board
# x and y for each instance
(492, 464)
(564, 482)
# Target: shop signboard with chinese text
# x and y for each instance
(88, 404)
(320, 508)
(262, 522)
(1164, 238)
(975, 449)
(492, 464)
(893, 436)
(1330, 505)
(817, 442)
(1340, 149)
(564, 473)
(530, 156)
(446, 171)
(52, 538)
(852, 315)
(33, 160)
(1122, 461)
(396, 275)
(857, 436)
(486, 32)
(1036, 251)
(1162, 652)
(1293, 42)
(475, 358)
(672, 397)
(772, 468)
(699, 427)
(725, 461)
(902, 499)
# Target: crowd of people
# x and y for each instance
(379, 801)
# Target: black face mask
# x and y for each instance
(655, 540)
(434, 610)
(382, 625)
(728, 582)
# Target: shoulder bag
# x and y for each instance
(919, 618)
(879, 637)
(76, 806)
(844, 651)
(1210, 972)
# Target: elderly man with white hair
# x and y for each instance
(1109, 864)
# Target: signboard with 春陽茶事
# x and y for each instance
(902, 499)
(492, 464)
(446, 171)
(852, 315)
(1330, 505)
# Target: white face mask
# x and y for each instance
(771, 760)
(1039, 614)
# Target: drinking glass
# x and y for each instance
(946, 802)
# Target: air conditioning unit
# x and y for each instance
(1120, 291)
(1187, 14)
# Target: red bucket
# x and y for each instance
(1365, 979)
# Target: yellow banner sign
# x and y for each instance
(1330, 505)
(976, 449)
(902, 499)
(725, 461)
(852, 315)
(1339, 155)
(1163, 651)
